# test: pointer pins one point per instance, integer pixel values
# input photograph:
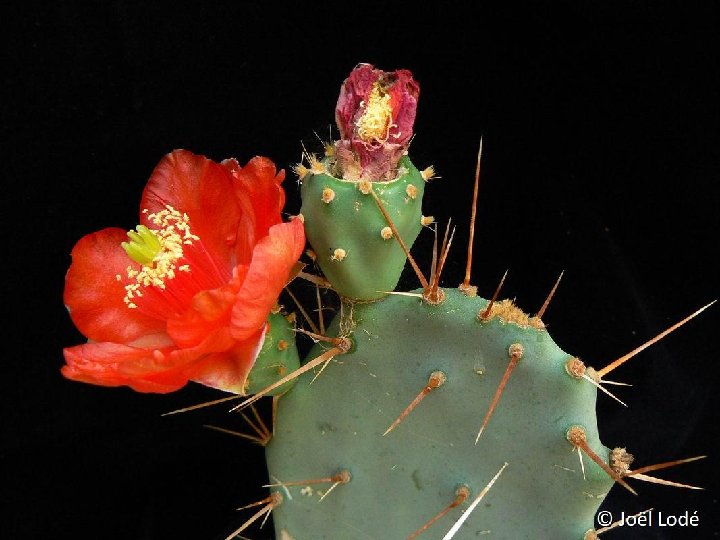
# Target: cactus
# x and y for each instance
(426, 413)
(413, 472)
(412, 404)
(345, 252)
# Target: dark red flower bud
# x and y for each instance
(375, 115)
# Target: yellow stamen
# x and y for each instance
(157, 251)
(377, 118)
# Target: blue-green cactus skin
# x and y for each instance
(278, 357)
(343, 215)
(402, 479)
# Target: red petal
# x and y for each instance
(272, 261)
(111, 364)
(228, 371)
(142, 369)
(246, 238)
(259, 183)
(404, 95)
(355, 89)
(209, 311)
(95, 298)
(201, 189)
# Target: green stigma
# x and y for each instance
(143, 247)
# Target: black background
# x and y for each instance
(601, 159)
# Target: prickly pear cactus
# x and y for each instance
(407, 476)
(413, 404)
(432, 412)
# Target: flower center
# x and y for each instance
(375, 122)
(143, 245)
(158, 251)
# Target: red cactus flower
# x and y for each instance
(375, 114)
(185, 296)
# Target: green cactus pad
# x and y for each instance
(348, 231)
(402, 479)
(278, 357)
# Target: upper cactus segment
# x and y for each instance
(375, 114)
(355, 247)
(362, 201)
